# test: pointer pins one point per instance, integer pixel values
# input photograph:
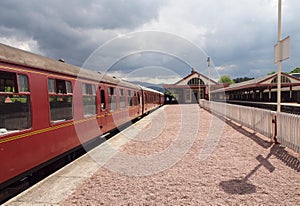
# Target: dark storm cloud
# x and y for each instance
(238, 35)
(152, 59)
(73, 29)
(147, 49)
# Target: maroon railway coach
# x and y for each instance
(48, 108)
(151, 99)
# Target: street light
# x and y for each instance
(208, 64)
(198, 100)
(281, 53)
(279, 56)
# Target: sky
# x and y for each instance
(158, 41)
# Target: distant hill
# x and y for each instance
(158, 87)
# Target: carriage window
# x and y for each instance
(89, 99)
(122, 99)
(103, 104)
(60, 100)
(15, 113)
(69, 87)
(129, 97)
(284, 79)
(23, 83)
(61, 87)
(112, 98)
(8, 82)
(135, 100)
(51, 87)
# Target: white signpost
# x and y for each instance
(284, 50)
(281, 52)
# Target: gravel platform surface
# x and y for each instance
(185, 156)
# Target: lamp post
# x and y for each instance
(279, 58)
(208, 64)
(198, 100)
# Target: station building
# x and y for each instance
(196, 86)
(191, 88)
(262, 89)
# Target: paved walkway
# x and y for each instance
(178, 155)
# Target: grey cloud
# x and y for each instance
(151, 59)
(67, 29)
(104, 14)
(146, 49)
(232, 32)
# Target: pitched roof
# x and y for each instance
(261, 82)
(193, 73)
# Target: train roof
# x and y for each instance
(16, 56)
(151, 90)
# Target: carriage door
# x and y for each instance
(103, 110)
(141, 103)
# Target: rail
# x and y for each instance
(288, 130)
(259, 120)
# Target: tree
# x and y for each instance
(226, 79)
(272, 72)
(296, 70)
(242, 79)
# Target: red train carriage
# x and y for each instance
(49, 107)
(151, 99)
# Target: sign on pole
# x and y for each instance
(284, 50)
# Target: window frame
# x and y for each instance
(60, 95)
(284, 80)
(102, 100)
(122, 98)
(89, 92)
(135, 98)
(112, 98)
(19, 117)
(129, 98)
(188, 97)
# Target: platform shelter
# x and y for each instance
(263, 89)
(191, 88)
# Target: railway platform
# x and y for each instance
(177, 155)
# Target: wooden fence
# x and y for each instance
(262, 121)
(288, 130)
(259, 120)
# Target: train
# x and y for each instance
(49, 107)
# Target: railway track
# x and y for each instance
(285, 107)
